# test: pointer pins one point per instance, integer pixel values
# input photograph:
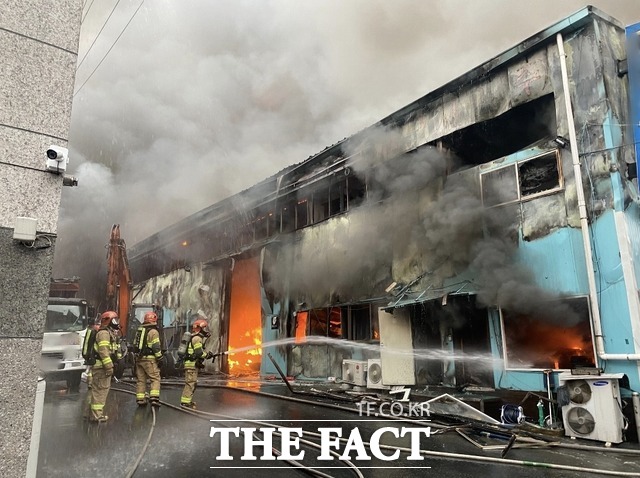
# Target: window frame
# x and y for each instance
(505, 347)
(515, 165)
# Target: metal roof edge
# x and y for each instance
(568, 24)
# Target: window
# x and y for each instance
(558, 337)
(508, 133)
(320, 205)
(302, 213)
(354, 322)
(522, 180)
(288, 217)
(337, 197)
(265, 225)
(360, 323)
(326, 322)
(64, 318)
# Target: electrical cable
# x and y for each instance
(110, 48)
(87, 12)
(97, 36)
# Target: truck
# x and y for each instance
(65, 325)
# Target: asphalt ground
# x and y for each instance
(138, 442)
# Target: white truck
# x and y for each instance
(64, 329)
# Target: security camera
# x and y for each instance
(57, 159)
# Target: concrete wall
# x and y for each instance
(38, 53)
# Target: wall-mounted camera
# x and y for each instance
(57, 159)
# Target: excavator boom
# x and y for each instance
(119, 283)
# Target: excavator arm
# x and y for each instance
(119, 283)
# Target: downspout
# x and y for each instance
(584, 222)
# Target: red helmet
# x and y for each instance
(150, 318)
(109, 319)
(201, 325)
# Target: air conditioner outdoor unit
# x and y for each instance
(374, 375)
(354, 372)
(594, 411)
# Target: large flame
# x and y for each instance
(546, 345)
(245, 325)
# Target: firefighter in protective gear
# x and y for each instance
(107, 349)
(86, 411)
(193, 361)
(148, 357)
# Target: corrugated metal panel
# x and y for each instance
(633, 61)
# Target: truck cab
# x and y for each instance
(64, 329)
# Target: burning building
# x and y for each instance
(483, 234)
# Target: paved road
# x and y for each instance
(179, 444)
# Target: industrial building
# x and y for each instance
(485, 236)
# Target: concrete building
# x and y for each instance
(38, 52)
(486, 235)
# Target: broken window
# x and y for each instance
(360, 324)
(451, 342)
(320, 205)
(505, 134)
(261, 227)
(557, 337)
(522, 180)
(353, 322)
(356, 190)
(326, 322)
(539, 175)
(288, 217)
(338, 196)
(302, 213)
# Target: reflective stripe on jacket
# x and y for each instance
(152, 348)
(195, 351)
(106, 346)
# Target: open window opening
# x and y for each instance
(451, 343)
(357, 322)
(559, 337)
(505, 134)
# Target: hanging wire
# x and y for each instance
(108, 51)
(98, 35)
(87, 12)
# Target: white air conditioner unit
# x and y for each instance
(354, 372)
(374, 375)
(594, 411)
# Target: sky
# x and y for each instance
(179, 104)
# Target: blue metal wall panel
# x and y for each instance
(633, 61)
(557, 261)
(614, 309)
(632, 216)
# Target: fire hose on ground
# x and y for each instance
(441, 454)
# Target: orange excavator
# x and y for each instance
(119, 283)
(120, 298)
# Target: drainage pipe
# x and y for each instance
(584, 222)
(635, 397)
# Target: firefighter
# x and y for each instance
(107, 349)
(149, 355)
(194, 360)
(87, 406)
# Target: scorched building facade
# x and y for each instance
(487, 234)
